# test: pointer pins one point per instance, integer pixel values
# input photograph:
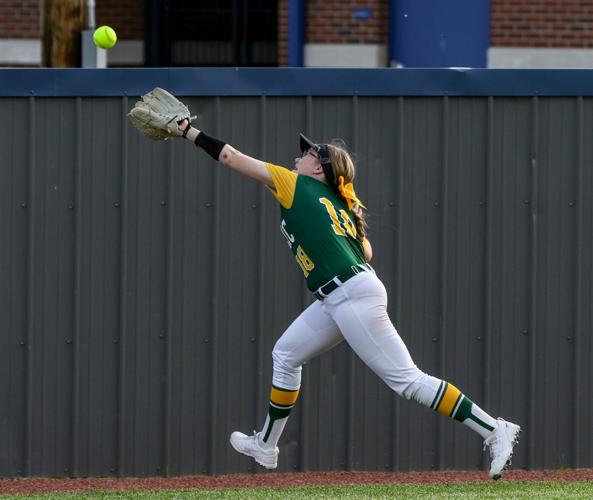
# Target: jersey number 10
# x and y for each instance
(340, 227)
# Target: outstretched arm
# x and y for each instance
(231, 157)
(160, 115)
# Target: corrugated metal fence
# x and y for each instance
(142, 287)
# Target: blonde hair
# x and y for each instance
(343, 165)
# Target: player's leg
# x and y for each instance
(311, 334)
(360, 310)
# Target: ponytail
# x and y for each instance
(344, 171)
(361, 223)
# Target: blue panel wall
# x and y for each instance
(296, 33)
(434, 33)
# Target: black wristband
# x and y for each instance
(209, 144)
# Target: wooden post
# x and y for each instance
(63, 20)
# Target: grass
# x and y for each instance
(504, 490)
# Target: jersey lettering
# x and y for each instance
(289, 237)
(304, 261)
(307, 265)
(350, 228)
(343, 227)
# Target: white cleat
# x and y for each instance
(501, 442)
(249, 445)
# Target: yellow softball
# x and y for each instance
(104, 37)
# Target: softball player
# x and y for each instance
(323, 223)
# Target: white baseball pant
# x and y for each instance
(355, 312)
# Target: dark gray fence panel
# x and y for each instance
(98, 267)
(557, 168)
(143, 287)
(509, 335)
(582, 406)
(14, 265)
(50, 291)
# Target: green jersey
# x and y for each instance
(318, 226)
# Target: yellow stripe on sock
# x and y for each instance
(283, 397)
(449, 400)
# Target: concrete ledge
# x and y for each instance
(20, 51)
(126, 53)
(540, 58)
(329, 55)
(28, 51)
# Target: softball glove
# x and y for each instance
(157, 115)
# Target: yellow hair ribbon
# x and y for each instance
(347, 192)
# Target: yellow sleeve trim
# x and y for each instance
(284, 184)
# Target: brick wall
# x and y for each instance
(126, 17)
(22, 18)
(282, 32)
(333, 21)
(541, 23)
